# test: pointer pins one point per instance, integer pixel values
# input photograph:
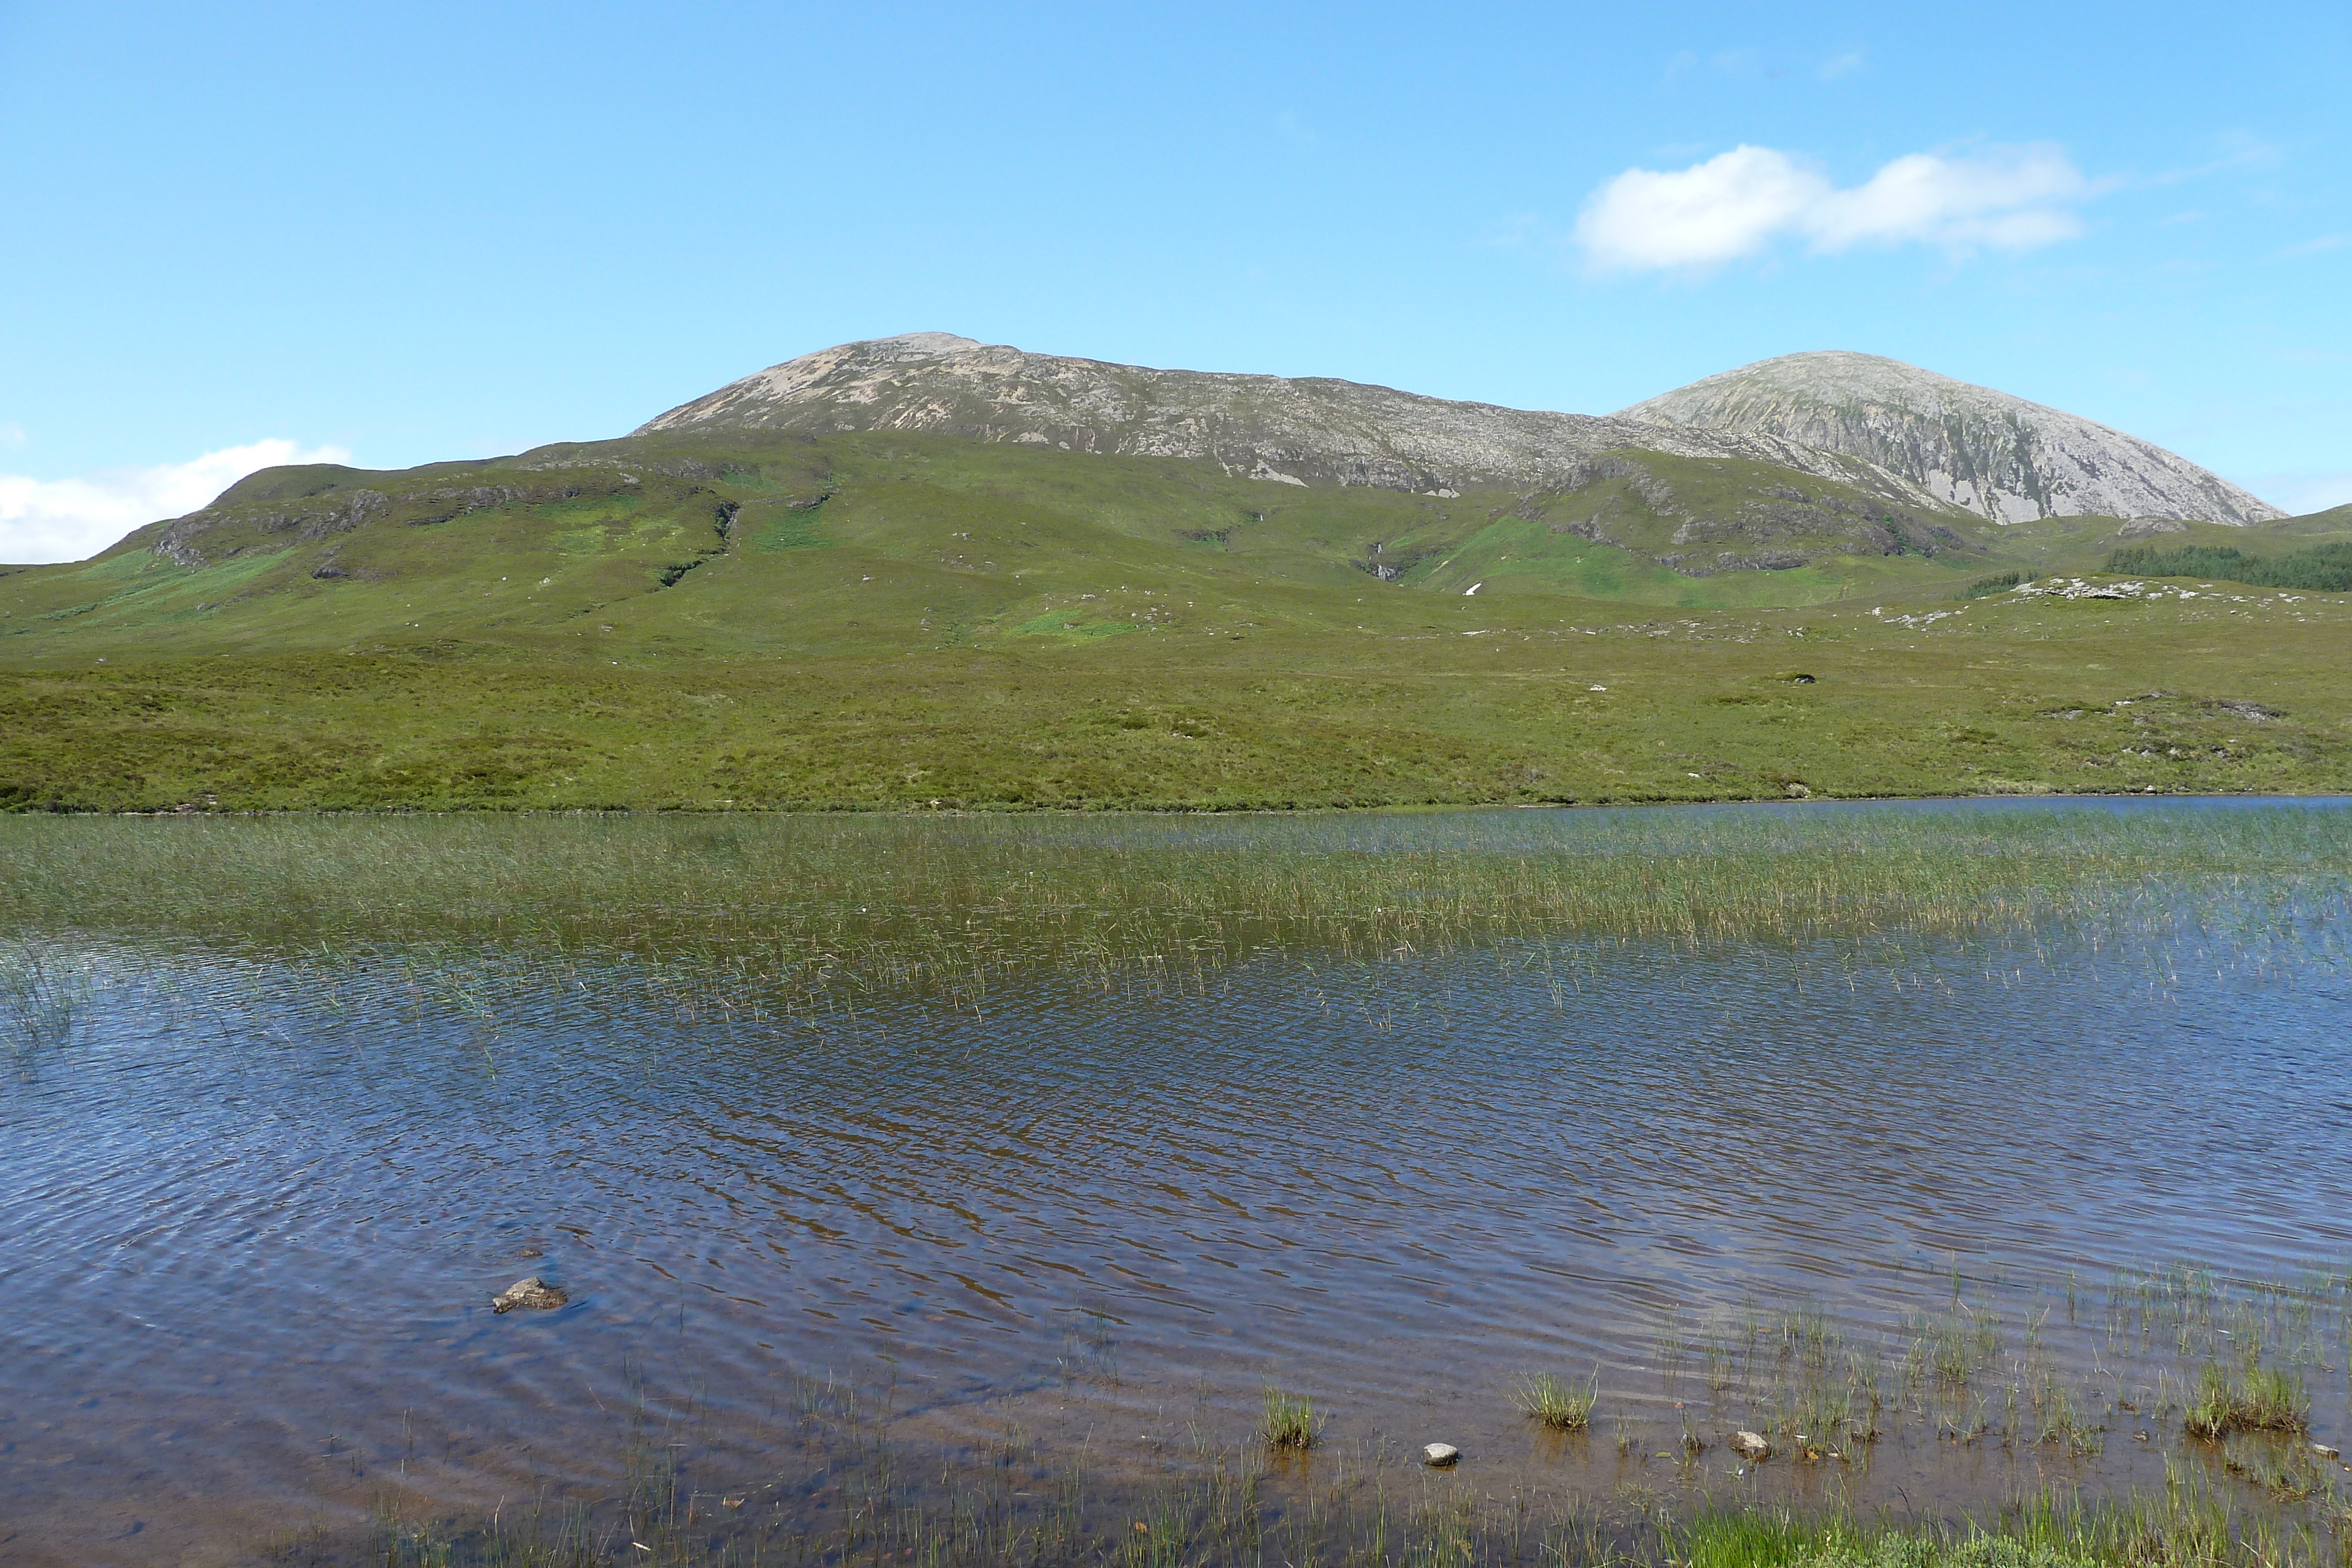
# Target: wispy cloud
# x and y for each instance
(69, 519)
(1844, 65)
(1737, 203)
(2232, 150)
(2314, 246)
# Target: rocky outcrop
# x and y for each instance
(1305, 431)
(307, 521)
(2000, 456)
(184, 541)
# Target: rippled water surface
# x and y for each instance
(257, 1197)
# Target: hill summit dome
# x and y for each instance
(2000, 456)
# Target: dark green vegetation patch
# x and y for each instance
(2321, 568)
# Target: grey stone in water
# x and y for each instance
(1439, 1454)
(2324, 1452)
(1753, 1445)
(534, 1292)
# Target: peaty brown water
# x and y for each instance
(256, 1207)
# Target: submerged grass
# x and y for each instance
(1218, 1513)
(42, 990)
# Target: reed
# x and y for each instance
(828, 909)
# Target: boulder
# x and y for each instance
(1439, 1455)
(533, 1293)
(1753, 1445)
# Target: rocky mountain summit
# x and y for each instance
(2000, 456)
(1306, 431)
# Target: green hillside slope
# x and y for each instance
(878, 619)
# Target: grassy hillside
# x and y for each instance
(879, 620)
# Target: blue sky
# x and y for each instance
(229, 234)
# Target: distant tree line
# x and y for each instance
(2322, 569)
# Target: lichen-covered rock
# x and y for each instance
(533, 1294)
(1439, 1455)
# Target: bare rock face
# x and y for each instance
(2000, 456)
(1309, 431)
(533, 1294)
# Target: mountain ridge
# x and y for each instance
(1914, 437)
(1294, 430)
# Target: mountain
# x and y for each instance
(2000, 456)
(1308, 431)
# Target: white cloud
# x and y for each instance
(71, 519)
(1843, 65)
(1711, 212)
(1737, 203)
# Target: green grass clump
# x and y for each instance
(1290, 1421)
(1999, 582)
(2256, 1400)
(1562, 1407)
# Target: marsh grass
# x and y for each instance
(1561, 1406)
(2254, 1399)
(1290, 1421)
(810, 913)
(2142, 1361)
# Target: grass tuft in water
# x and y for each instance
(1290, 1420)
(1562, 1407)
(2256, 1400)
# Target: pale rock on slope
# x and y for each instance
(2000, 456)
(1314, 431)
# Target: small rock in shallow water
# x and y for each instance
(1439, 1454)
(1753, 1445)
(534, 1292)
(2324, 1452)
